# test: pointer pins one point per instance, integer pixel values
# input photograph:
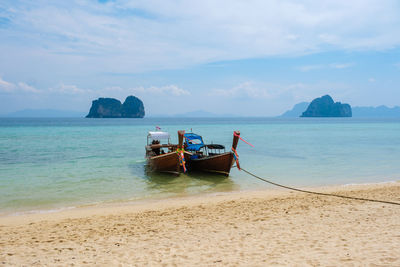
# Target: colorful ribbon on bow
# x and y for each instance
(181, 156)
(236, 157)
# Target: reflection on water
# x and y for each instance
(184, 184)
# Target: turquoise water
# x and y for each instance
(56, 163)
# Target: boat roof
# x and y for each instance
(158, 135)
(193, 136)
(196, 145)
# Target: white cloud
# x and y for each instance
(9, 87)
(246, 89)
(341, 65)
(371, 80)
(69, 89)
(306, 68)
(6, 86)
(171, 90)
(167, 90)
(288, 92)
(78, 41)
(27, 88)
(134, 36)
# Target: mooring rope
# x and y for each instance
(319, 193)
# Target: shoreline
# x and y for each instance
(274, 227)
(153, 200)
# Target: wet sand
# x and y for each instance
(260, 228)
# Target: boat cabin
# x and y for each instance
(194, 143)
(158, 143)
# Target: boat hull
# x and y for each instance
(167, 163)
(219, 164)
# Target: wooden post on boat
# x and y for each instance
(180, 139)
(236, 135)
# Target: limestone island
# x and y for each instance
(112, 108)
(325, 107)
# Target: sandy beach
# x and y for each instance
(262, 228)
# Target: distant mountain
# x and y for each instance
(45, 113)
(358, 112)
(112, 108)
(373, 112)
(324, 106)
(296, 111)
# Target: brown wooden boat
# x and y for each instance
(162, 156)
(210, 158)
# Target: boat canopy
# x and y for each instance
(158, 135)
(193, 142)
(215, 146)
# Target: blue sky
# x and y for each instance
(255, 58)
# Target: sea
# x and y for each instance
(51, 164)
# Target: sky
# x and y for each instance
(248, 58)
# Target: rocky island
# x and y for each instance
(112, 108)
(325, 107)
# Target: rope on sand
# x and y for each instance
(319, 193)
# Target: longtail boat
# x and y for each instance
(162, 156)
(210, 157)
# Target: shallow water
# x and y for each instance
(55, 163)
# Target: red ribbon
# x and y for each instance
(234, 133)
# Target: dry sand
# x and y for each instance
(238, 229)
